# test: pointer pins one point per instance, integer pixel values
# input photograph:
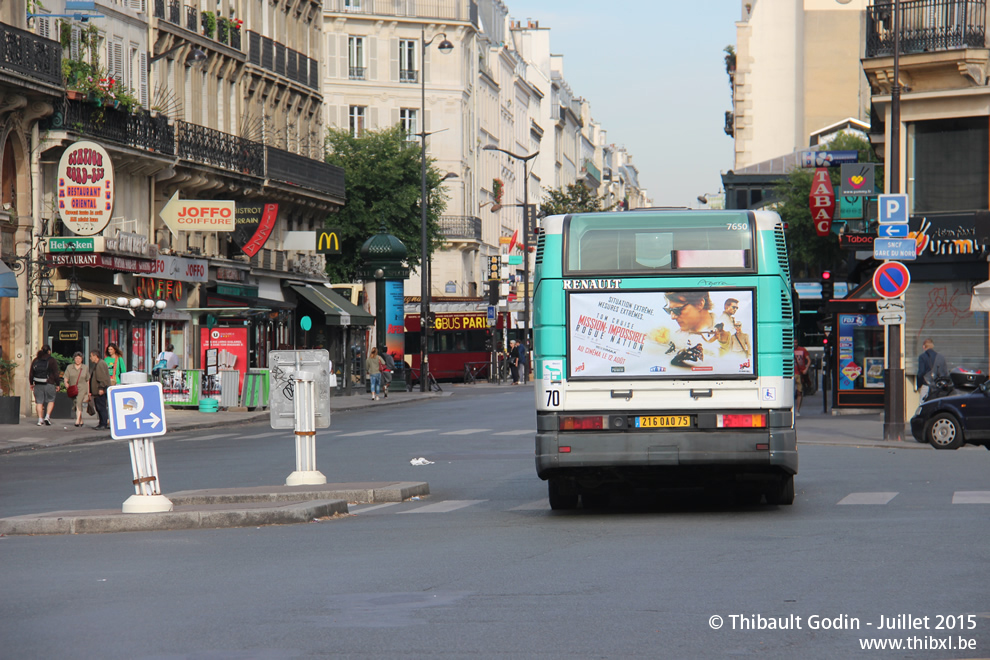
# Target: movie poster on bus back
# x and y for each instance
(678, 333)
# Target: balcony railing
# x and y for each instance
(30, 55)
(458, 10)
(297, 170)
(175, 12)
(926, 25)
(212, 147)
(192, 18)
(356, 72)
(275, 57)
(159, 9)
(408, 75)
(461, 227)
(139, 129)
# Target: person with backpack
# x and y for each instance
(167, 360)
(44, 378)
(931, 367)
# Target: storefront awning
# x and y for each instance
(214, 299)
(337, 310)
(980, 302)
(8, 282)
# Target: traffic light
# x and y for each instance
(828, 286)
(489, 344)
(431, 322)
(493, 286)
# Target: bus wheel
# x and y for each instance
(596, 499)
(563, 494)
(781, 492)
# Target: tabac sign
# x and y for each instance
(328, 241)
(85, 188)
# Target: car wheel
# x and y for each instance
(781, 492)
(563, 494)
(944, 432)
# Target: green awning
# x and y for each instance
(337, 310)
(8, 282)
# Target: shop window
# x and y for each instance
(940, 310)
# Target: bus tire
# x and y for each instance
(781, 492)
(595, 499)
(563, 494)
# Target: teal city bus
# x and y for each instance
(664, 354)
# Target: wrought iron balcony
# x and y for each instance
(275, 57)
(297, 170)
(212, 147)
(926, 26)
(356, 72)
(458, 10)
(408, 75)
(235, 39)
(175, 12)
(192, 18)
(137, 129)
(160, 9)
(461, 227)
(30, 55)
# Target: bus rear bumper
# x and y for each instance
(731, 451)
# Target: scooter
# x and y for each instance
(959, 381)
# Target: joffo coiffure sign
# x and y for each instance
(85, 188)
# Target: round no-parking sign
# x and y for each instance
(891, 279)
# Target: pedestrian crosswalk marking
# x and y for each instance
(538, 505)
(466, 432)
(413, 432)
(971, 497)
(357, 510)
(867, 498)
(357, 433)
(444, 507)
(517, 432)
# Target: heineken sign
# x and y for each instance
(90, 244)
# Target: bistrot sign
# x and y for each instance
(85, 188)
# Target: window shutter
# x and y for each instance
(74, 44)
(143, 79)
(331, 60)
(371, 44)
(426, 67)
(395, 116)
(342, 56)
(372, 124)
(45, 28)
(331, 116)
(393, 69)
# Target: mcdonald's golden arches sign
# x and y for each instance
(328, 241)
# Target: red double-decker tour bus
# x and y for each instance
(459, 341)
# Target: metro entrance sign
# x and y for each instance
(891, 279)
(198, 215)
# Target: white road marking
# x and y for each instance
(413, 432)
(363, 509)
(867, 498)
(466, 432)
(538, 505)
(371, 432)
(445, 507)
(517, 432)
(213, 436)
(971, 497)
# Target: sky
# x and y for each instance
(654, 73)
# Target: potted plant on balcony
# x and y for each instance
(209, 24)
(10, 405)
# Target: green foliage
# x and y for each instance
(574, 198)
(209, 20)
(63, 361)
(809, 253)
(383, 174)
(7, 372)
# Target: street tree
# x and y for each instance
(809, 253)
(382, 174)
(573, 198)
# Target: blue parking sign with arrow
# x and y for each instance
(137, 410)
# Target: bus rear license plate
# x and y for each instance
(664, 421)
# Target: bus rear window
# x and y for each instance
(634, 242)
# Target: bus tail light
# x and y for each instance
(581, 423)
(742, 421)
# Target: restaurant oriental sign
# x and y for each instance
(85, 188)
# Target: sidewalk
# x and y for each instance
(28, 435)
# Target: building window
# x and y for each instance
(357, 120)
(408, 117)
(355, 58)
(352, 5)
(407, 61)
(948, 164)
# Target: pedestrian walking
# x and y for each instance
(523, 362)
(99, 381)
(115, 363)
(387, 368)
(514, 361)
(373, 366)
(44, 379)
(931, 367)
(76, 379)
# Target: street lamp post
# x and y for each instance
(424, 267)
(527, 323)
(893, 421)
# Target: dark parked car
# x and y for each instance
(952, 421)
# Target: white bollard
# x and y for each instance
(304, 405)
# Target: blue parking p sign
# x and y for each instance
(137, 410)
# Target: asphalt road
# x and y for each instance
(483, 568)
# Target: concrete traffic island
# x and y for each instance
(220, 508)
